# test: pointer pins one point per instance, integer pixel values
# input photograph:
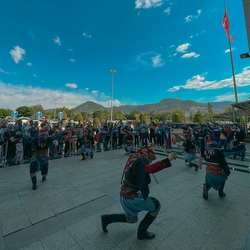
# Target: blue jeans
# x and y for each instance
(224, 143)
(144, 139)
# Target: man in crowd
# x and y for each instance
(144, 133)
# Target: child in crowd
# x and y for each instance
(73, 141)
(19, 152)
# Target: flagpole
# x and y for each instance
(235, 90)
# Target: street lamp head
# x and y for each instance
(112, 71)
(245, 55)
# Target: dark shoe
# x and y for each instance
(33, 179)
(91, 155)
(44, 179)
(205, 192)
(142, 232)
(110, 218)
(242, 159)
(221, 193)
(83, 156)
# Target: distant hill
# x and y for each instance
(166, 104)
(89, 107)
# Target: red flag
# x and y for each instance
(225, 23)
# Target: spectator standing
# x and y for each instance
(144, 133)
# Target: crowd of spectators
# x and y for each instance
(108, 135)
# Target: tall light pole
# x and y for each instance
(178, 100)
(111, 108)
(108, 106)
(55, 110)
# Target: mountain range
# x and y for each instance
(166, 104)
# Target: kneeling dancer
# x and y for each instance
(217, 169)
(134, 192)
(40, 158)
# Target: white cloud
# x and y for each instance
(6, 72)
(87, 89)
(147, 4)
(182, 48)
(17, 54)
(70, 49)
(57, 40)
(190, 18)
(29, 64)
(72, 60)
(175, 54)
(157, 61)
(191, 36)
(167, 10)
(228, 50)
(231, 97)
(198, 82)
(172, 46)
(151, 58)
(107, 103)
(86, 35)
(35, 75)
(71, 85)
(94, 91)
(192, 54)
(14, 96)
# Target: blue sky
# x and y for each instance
(64, 50)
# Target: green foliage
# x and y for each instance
(137, 120)
(65, 117)
(152, 113)
(198, 118)
(25, 111)
(230, 109)
(78, 117)
(180, 112)
(117, 115)
(98, 114)
(177, 118)
(132, 114)
(4, 113)
(209, 116)
(85, 115)
(210, 108)
(50, 114)
(143, 117)
(163, 116)
(96, 121)
(40, 108)
(105, 115)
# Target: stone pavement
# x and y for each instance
(64, 212)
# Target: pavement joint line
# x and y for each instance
(32, 224)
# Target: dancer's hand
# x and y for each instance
(172, 156)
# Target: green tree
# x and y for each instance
(85, 115)
(152, 113)
(96, 121)
(4, 113)
(78, 117)
(132, 114)
(65, 117)
(105, 115)
(25, 111)
(180, 112)
(198, 118)
(143, 117)
(177, 118)
(117, 115)
(40, 108)
(210, 108)
(230, 109)
(98, 114)
(50, 114)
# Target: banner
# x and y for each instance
(177, 138)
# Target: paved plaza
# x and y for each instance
(64, 212)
